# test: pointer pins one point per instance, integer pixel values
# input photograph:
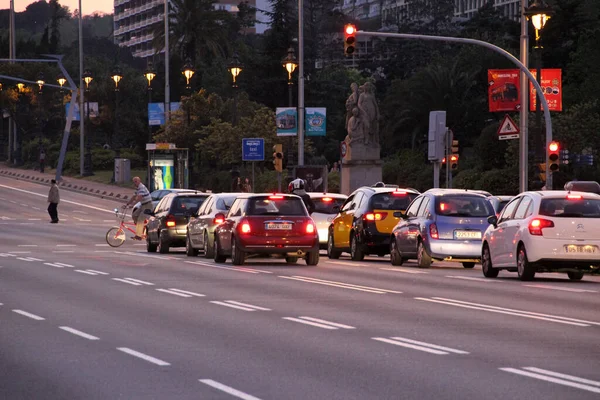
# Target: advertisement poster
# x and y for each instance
(162, 174)
(503, 90)
(156, 112)
(315, 121)
(551, 84)
(286, 119)
(76, 116)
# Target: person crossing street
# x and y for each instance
(141, 195)
(53, 199)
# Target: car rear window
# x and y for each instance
(576, 207)
(326, 205)
(275, 205)
(182, 205)
(397, 201)
(463, 206)
(224, 203)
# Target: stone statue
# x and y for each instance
(352, 102)
(367, 104)
(356, 128)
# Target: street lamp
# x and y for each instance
(61, 80)
(150, 75)
(235, 68)
(21, 87)
(87, 165)
(538, 13)
(188, 71)
(116, 77)
(40, 81)
(290, 63)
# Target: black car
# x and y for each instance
(167, 225)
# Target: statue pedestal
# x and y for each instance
(357, 173)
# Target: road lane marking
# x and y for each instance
(54, 265)
(29, 259)
(79, 333)
(25, 205)
(27, 245)
(339, 284)
(86, 272)
(65, 265)
(305, 322)
(563, 289)
(143, 356)
(320, 323)
(174, 293)
(351, 264)
(126, 281)
(509, 311)
(468, 278)
(32, 316)
(239, 306)
(9, 255)
(187, 292)
(232, 268)
(131, 253)
(228, 390)
(421, 346)
(139, 281)
(34, 219)
(66, 245)
(98, 272)
(62, 251)
(408, 271)
(554, 377)
(36, 208)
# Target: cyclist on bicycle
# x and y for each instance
(141, 195)
(297, 187)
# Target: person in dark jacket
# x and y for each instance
(297, 187)
(53, 199)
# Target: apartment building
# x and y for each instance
(467, 8)
(134, 22)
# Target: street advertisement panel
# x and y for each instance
(93, 108)
(551, 83)
(162, 170)
(156, 112)
(503, 90)
(286, 119)
(315, 121)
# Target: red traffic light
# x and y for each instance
(553, 146)
(350, 29)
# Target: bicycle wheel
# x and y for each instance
(115, 237)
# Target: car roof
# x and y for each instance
(188, 194)
(227, 194)
(554, 194)
(442, 192)
(384, 189)
(250, 195)
(583, 186)
(326, 194)
(501, 197)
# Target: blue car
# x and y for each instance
(442, 225)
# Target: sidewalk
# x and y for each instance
(68, 183)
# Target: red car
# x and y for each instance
(267, 224)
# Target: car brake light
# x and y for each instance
(170, 221)
(574, 197)
(326, 199)
(375, 216)
(536, 226)
(433, 232)
(219, 219)
(245, 227)
(274, 197)
(398, 193)
(443, 206)
(310, 228)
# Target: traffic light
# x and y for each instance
(453, 161)
(278, 157)
(553, 156)
(349, 39)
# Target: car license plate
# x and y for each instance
(581, 248)
(274, 226)
(467, 234)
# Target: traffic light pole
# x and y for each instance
(523, 140)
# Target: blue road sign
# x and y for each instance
(253, 149)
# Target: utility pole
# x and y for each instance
(167, 87)
(523, 112)
(300, 83)
(12, 128)
(81, 96)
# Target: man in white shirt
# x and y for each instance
(143, 196)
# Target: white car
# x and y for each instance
(327, 206)
(546, 231)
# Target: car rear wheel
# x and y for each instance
(217, 253)
(237, 256)
(356, 252)
(468, 265)
(312, 257)
(291, 260)
(575, 275)
(395, 256)
(150, 247)
(331, 251)
(525, 270)
(208, 249)
(163, 246)
(486, 263)
(189, 250)
(423, 258)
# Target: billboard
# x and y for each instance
(315, 121)
(551, 83)
(503, 90)
(286, 119)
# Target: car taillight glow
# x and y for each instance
(433, 232)
(574, 197)
(398, 193)
(170, 221)
(443, 206)
(310, 228)
(375, 216)
(326, 199)
(218, 221)
(536, 226)
(275, 197)
(245, 227)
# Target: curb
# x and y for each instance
(64, 184)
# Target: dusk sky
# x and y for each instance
(88, 6)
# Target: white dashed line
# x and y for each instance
(421, 346)
(126, 281)
(555, 377)
(174, 293)
(408, 271)
(34, 219)
(143, 356)
(78, 333)
(239, 306)
(66, 245)
(86, 272)
(187, 292)
(140, 281)
(319, 323)
(54, 265)
(32, 316)
(98, 272)
(228, 390)
(62, 251)
(27, 245)
(468, 278)
(563, 289)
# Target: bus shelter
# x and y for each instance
(167, 167)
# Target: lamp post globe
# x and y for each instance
(116, 77)
(235, 68)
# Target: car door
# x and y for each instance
(226, 230)
(195, 224)
(499, 240)
(343, 222)
(406, 228)
(153, 221)
(512, 231)
(202, 221)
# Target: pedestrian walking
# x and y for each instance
(42, 160)
(53, 199)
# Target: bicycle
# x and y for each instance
(116, 235)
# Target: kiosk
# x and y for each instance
(167, 167)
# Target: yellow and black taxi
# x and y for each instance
(366, 220)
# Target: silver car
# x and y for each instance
(327, 206)
(157, 196)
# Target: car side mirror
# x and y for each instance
(148, 212)
(399, 214)
(493, 220)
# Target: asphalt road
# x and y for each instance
(81, 320)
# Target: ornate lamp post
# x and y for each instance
(290, 63)
(235, 68)
(188, 71)
(538, 13)
(150, 75)
(40, 81)
(87, 164)
(116, 77)
(61, 80)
